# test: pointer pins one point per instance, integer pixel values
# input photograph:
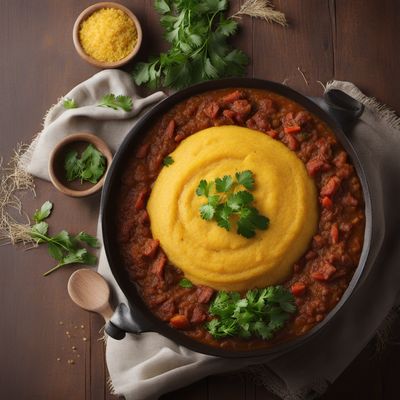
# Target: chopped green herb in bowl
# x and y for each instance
(79, 163)
(90, 166)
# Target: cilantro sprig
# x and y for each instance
(43, 212)
(261, 313)
(198, 34)
(228, 204)
(89, 167)
(115, 102)
(108, 100)
(63, 247)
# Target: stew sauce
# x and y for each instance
(319, 278)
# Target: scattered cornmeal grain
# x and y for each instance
(84, 339)
(108, 35)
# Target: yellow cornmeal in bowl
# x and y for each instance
(210, 255)
(108, 35)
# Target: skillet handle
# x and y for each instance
(343, 108)
(123, 321)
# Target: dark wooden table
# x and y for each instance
(349, 40)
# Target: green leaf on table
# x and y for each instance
(55, 251)
(92, 241)
(43, 212)
(89, 259)
(63, 247)
(75, 256)
(64, 240)
(39, 230)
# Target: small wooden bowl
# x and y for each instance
(77, 141)
(89, 11)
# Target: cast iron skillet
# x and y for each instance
(136, 317)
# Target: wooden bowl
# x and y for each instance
(89, 11)
(77, 141)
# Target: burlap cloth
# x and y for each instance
(148, 365)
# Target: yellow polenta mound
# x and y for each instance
(210, 255)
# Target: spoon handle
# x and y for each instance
(106, 312)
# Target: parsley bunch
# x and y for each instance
(198, 33)
(261, 313)
(63, 247)
(228, 203)
(89, 167)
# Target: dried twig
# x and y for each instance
(261, 9)
(304, 77)
(14, 222)
(323, 86)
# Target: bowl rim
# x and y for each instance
(86, 13)
(90, 138)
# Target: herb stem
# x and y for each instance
(48, 239)
(53, 269)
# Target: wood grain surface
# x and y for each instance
(349, 40)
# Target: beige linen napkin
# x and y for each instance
(142, 367)
(111, 125)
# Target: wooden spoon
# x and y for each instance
(90, 291)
